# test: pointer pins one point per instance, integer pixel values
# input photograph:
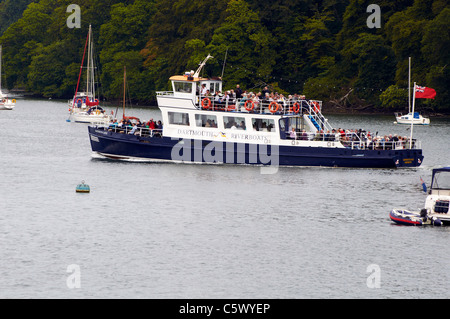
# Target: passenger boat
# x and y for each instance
(436, 211)
(5, 102)
(84, 107)
(201, 129)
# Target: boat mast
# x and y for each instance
(409, 87)
(81, 71)
(124, 87)
(88, 63)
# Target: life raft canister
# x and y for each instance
(274, 107)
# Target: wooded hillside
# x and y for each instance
(322, 49)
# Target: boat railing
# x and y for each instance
(139, 131)
(353, 141)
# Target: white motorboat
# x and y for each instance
(436, 210)
(412, 118)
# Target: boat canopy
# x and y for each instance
(441, 178)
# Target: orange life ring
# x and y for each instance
(274, 110)
(296, 107)
(207, 105)
(249, 108)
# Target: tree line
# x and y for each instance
(322, 49)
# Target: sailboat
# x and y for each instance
(5, 102)
(412, 117)
(85, 106)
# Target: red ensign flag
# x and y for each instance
(425, 93)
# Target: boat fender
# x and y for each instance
(206, 103)
(274, 107)
(249, 108)
(436, 222)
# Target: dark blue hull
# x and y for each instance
(125, 146)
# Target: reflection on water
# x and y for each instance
(208, 231)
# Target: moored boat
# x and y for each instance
(409, 218)
(270, 131)
(436, 211)
(412, 118)
(438, 199)
(5, 102)
(85, 106)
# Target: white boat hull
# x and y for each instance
(7, 106)
(84, 117)
(410, 119)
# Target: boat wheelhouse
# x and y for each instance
(202, 127)
(438, 199)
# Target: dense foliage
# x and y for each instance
(323, 49)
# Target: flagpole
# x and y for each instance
(409, 86)
(412, 120)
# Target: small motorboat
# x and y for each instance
(408, 218)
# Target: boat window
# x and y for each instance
(263, 125)
(441, 180)
(282, 124)
(234, 123)
(214, 87)
(206, 120)
(176, 118)
(183, 87)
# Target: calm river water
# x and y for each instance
(208, 231)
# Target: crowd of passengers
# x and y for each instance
(264, 96)
(357, 137)
(126, 126)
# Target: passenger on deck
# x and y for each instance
(293, 134)
(238, 92)
(204, 90)
(134, 129)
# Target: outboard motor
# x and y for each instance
(424, 214)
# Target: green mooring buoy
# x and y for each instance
(83, 188)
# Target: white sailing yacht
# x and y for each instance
(412, 117)
(85, 106)
(5, 102)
